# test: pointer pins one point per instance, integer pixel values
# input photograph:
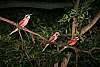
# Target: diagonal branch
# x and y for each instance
(90, 25)
(9, 21)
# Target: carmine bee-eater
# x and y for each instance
(22, 23)
(73, 41)
(52, 39)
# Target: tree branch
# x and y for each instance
(90, 25)
(74, 27)
(65, 61)
(76, 4)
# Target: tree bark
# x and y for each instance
(74, 27)
(64, 63)
(66, 59)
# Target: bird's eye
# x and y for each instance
(56, 34)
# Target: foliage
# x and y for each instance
(15, 52)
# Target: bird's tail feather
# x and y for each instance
(14, 31)
(45, 47)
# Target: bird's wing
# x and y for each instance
(70, 41)
(21, 22)
(51, 39)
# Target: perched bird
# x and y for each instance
(22, 23)
(52, 39)
(73, 41)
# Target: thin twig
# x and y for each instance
(21, 36)
(25, 29)
(33, 38)
(27, 36)
(91, 50)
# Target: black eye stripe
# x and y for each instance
(26, 16)
(57, 34)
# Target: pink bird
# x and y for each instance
(52, 39)
(22, 23)
(73, 41)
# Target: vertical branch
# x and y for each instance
(20, 36)
(65, 61)
(74, 23)
(56, 64)
(74, 27)
(76, 4)
(77, 55)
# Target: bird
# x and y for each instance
(22, 23)
(52, 39)
(73, 41)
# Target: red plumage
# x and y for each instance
(73, 41)
(22, 23)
